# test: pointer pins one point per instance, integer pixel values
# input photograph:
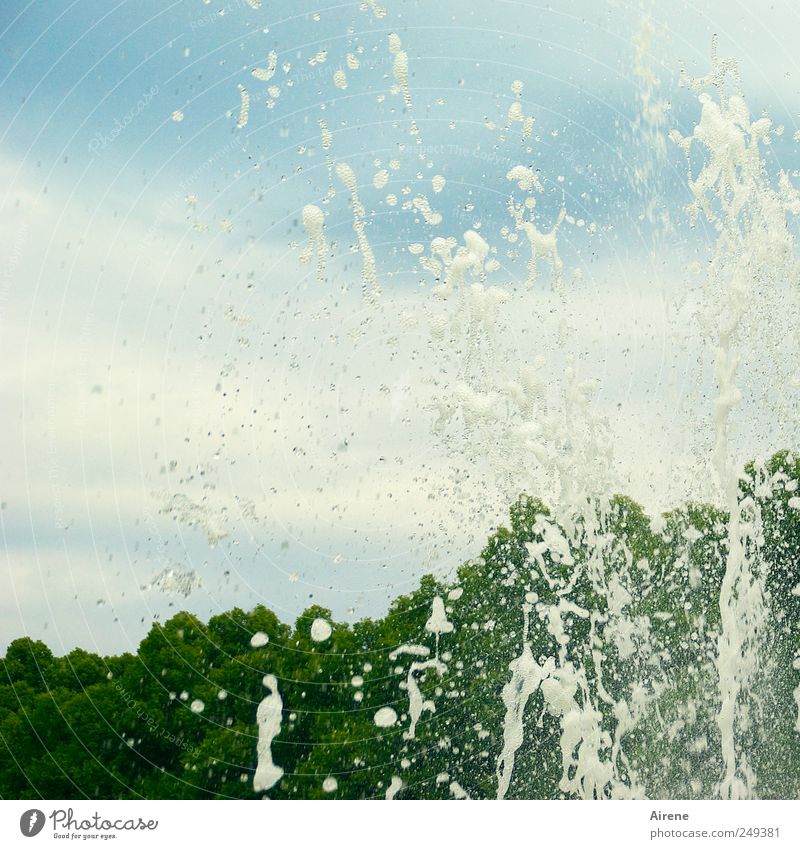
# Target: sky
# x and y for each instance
(187, 406)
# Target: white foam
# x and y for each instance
(394, 787)
(417, 704)
(244, 108)
(321, 630)
(314, 223)
(385, 717)
(438, 622)
(526, 676)
(265, 74)
(369, 276)
(268, 717)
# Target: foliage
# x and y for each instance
(123, 726)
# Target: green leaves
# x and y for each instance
(178, 718)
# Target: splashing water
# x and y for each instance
(269, 718)
(615, 648)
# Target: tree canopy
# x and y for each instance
(178, 718)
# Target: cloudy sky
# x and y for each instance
(188, 407)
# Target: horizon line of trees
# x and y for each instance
(177, 718)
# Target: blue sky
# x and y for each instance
(151, 347)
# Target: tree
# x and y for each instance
(627, 605)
